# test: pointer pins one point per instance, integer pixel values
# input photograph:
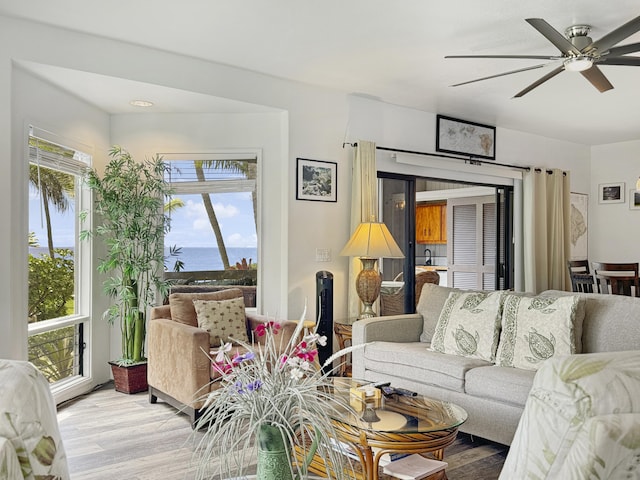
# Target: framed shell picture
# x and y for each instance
(316, 180)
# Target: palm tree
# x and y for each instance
(55, 188)
(249, 170)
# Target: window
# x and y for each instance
(214, 218)
(58, 299)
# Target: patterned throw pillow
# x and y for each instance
(222, 319)
(469, 325)
(537, 328)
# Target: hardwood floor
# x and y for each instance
(110, 435)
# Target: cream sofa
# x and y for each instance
(493, 396)
(581, 420)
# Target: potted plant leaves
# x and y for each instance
(128, 202)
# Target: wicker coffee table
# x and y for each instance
(406, 425)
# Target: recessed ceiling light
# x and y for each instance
(141, 103)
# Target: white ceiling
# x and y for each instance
(390, 50)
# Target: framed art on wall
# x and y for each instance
(579, 225)
(634, 199)
(465, 138)
(316, 180)
(611, 193)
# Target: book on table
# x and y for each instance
(388, 457)
(413, 467)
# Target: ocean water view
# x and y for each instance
(208, 258)
(194, 258)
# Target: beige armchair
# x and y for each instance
(179, 371)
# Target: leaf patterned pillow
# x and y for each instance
(223, 319)
(469, 325)
(536, 328)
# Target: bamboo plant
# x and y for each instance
(128, 201)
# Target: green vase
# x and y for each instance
(273, 458)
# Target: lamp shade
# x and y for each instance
(372, 240)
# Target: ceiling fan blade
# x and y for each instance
(619, 34)
(624, 49)
(540, 81)
(560, 41)
(530, 57)
(500, 75)
(629, 61)
(597, 79)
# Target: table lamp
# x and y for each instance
(370, 241)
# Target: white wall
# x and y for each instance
(405, 128)
(144, 135)
(77, 124)
(314, 124)
(614, 229)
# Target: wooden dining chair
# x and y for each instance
(617, 278)
(581, 278)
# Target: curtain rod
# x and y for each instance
(471, 160)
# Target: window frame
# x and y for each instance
(83, 254)
(254, 154)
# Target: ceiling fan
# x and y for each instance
(578, 53)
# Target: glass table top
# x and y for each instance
(396, 414)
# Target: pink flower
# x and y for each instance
(222, 368)
(261, 330)
(308, 355)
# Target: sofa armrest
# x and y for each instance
(178, 363)
(160, 311)
(394, 328)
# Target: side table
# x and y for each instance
(342, 330)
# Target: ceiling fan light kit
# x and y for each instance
(578, 53)
(578, 64)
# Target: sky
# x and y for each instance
(190, 225)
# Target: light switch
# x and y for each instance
(323, 254)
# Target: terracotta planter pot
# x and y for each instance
(130, 378)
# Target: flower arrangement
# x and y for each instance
(273, 396)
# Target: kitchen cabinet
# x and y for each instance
(431, 223)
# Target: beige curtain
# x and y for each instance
(364, 208)
(546, 224)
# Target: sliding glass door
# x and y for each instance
(469, 243)
(397, 207)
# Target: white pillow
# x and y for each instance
(222, 319)
(469, 325)
(537, 328)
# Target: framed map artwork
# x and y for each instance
(579, 224)
(465, 138)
